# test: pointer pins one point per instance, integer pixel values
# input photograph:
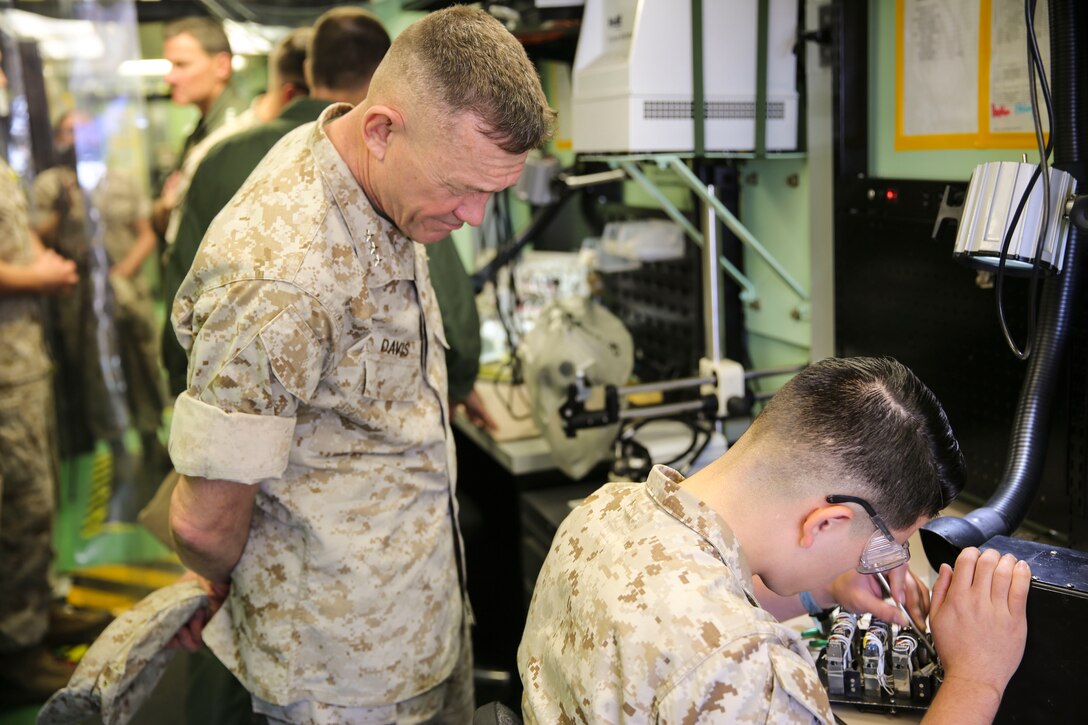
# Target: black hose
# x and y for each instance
(945, 537)
(1069, 63)
(1032, 426)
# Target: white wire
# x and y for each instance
(877, 638)
(842, 631)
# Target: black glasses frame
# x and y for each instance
(868, 507)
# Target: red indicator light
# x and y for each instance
(891, 195)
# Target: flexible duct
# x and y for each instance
(1069, 63)
(945, 537)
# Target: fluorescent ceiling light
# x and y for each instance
(149, 67)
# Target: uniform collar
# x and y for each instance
(225, 103)
(664, 488)
(224, 108)
(387, 253)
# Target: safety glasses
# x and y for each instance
(882, 552)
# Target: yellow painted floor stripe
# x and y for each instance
(116, 604)
(131, 574)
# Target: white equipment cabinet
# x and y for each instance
(632, 78)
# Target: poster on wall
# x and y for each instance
(1010, 96)
(938, 57)
(962, 74)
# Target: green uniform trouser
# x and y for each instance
(27, 504)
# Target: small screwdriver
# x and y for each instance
(921, 630)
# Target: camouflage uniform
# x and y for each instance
(121, 203)
(644, 613)
(316, 371)
(27, 475)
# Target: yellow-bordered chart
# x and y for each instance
(961, 74)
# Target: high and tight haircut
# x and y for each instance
(207, 32)
(470, 63)
(878, 425)
(346, 46)
(289, 58)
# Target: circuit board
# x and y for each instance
(877, 665)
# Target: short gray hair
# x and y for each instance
(474, 65)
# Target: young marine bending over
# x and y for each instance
(648, 609)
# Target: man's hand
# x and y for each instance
(862, 593)
(52, 273)
(475, 411)
(979, 617)
(190, 636)
(170, 189)
(164, 205)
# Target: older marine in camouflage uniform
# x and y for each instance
(316, 372)
(644, 612)
(27, 478)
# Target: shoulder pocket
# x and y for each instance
(293, 354)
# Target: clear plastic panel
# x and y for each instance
(75, 69)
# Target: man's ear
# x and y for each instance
(222, 65)
(824, 520)
(380, 124)
(290, 91)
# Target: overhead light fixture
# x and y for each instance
(148, 67)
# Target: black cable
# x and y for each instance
(514, 389)
(1035, 66)
(540, 220)
(708, 435)
(508, 319)
(695, 447)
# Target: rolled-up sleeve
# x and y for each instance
(208, 442)
(255, 357)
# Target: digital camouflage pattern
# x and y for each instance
(644, 613)
(121, 668)
(27, 476)
(22, 350)
(27, 504)
(450, 703)
(122, 203)
(316, 371)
